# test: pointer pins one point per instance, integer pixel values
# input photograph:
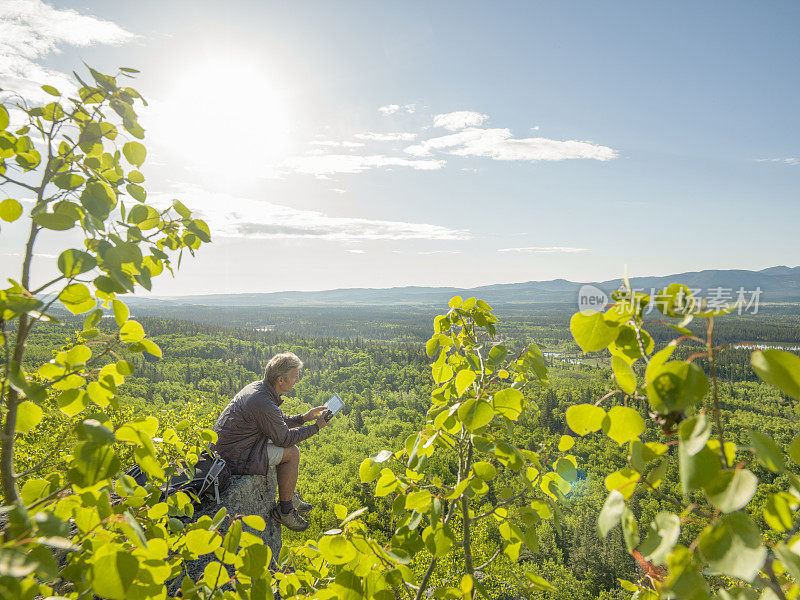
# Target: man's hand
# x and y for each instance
(321, 422)
(314, 414)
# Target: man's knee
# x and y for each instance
(291, 454)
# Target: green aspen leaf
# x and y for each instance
(767, 451)
(136, 192)
(68, 181)
(438, 541)
(611, 513)
(496, 356)
(121, 312)
(662, 535)
(3, 117)
(475, 414)
(508, 403)
(440, 370)
(566, 467)
(789, 559)
(675, 301)
(98, 198)
(337, 550)
(33, 490)
(458, 490)
(455, 302)
(131, 331)
(431, 346)
(215, 574)
(794, 449)
(585, 418)
(150, 347)
(77, 299)
(623, 481)
(630, 529)
(72, 402)
(627, 346)
(201, 541)
(623, 424)
(778, 368)
(566, 442)
(464, 379)
(694, 434)
(382, 456)
(181, 209)
(10, 210)
(368, 471)
(592, 331)
(112, 572)
(697, 470)
(623, 373)
(339, 511)
(135, 153)
(158, 511)
(731, 490)
(419, 501)
(387, 483)
(74, 262)
(531, 539)
(254, 521)
(28, 416)
(54, 221)
(778, 512)
(658, 360)
(485, 470)
(200, 229)
(676, 386)
(732, 546)
(51, 90)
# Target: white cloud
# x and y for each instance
(386, 137)
(335, 144)
(500, 144)
(328, 164)
(441, 252)
(339, 190)
(391, 109)
(459, 119)
(356, 251)
(31, 29)
(787, 161)
(545, 250)
(235, 217)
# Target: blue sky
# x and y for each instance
(366, 144)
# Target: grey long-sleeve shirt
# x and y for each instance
(252, 420)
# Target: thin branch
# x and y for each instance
(19, 183)
(490, 561)
(715, 392)
(46, 285)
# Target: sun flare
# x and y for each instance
(226, 113)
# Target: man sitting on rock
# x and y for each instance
(254, 435)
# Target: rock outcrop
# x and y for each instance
(246, 495)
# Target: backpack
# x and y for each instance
(211, 476)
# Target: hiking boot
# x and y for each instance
(300, 505)
(291, 520)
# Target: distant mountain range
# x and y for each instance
(776, 283)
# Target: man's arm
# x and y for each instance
(270, 421)
(293, 420)
(299, 420)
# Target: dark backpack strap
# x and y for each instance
(212, 477)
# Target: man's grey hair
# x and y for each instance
(280, 365)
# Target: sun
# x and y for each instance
(225, 113)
